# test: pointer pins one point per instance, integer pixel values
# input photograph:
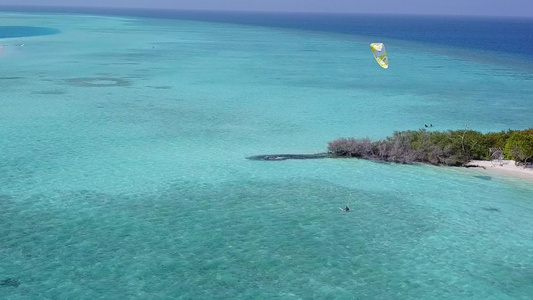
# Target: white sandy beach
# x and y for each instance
(506, 167)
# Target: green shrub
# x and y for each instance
(519, 146)
(453, 148)
(498, 139)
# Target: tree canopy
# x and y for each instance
(452, 147)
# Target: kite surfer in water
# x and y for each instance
(345, 209)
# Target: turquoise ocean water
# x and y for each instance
(123, 171)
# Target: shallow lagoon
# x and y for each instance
(123, 170)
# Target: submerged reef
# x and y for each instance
(98, 82)
(279, 157)
(491, 209)
(9, 282)
(25, 31)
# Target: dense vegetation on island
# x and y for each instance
(450, 148)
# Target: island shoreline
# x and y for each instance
(504, 167)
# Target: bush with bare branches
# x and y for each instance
(452, 148)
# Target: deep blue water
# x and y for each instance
(22, 31)
(506, 35)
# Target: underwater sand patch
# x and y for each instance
(98, 82)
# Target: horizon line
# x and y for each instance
(50, 8)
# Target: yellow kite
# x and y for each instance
(380, 54)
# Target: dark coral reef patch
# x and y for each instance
(98, 82)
